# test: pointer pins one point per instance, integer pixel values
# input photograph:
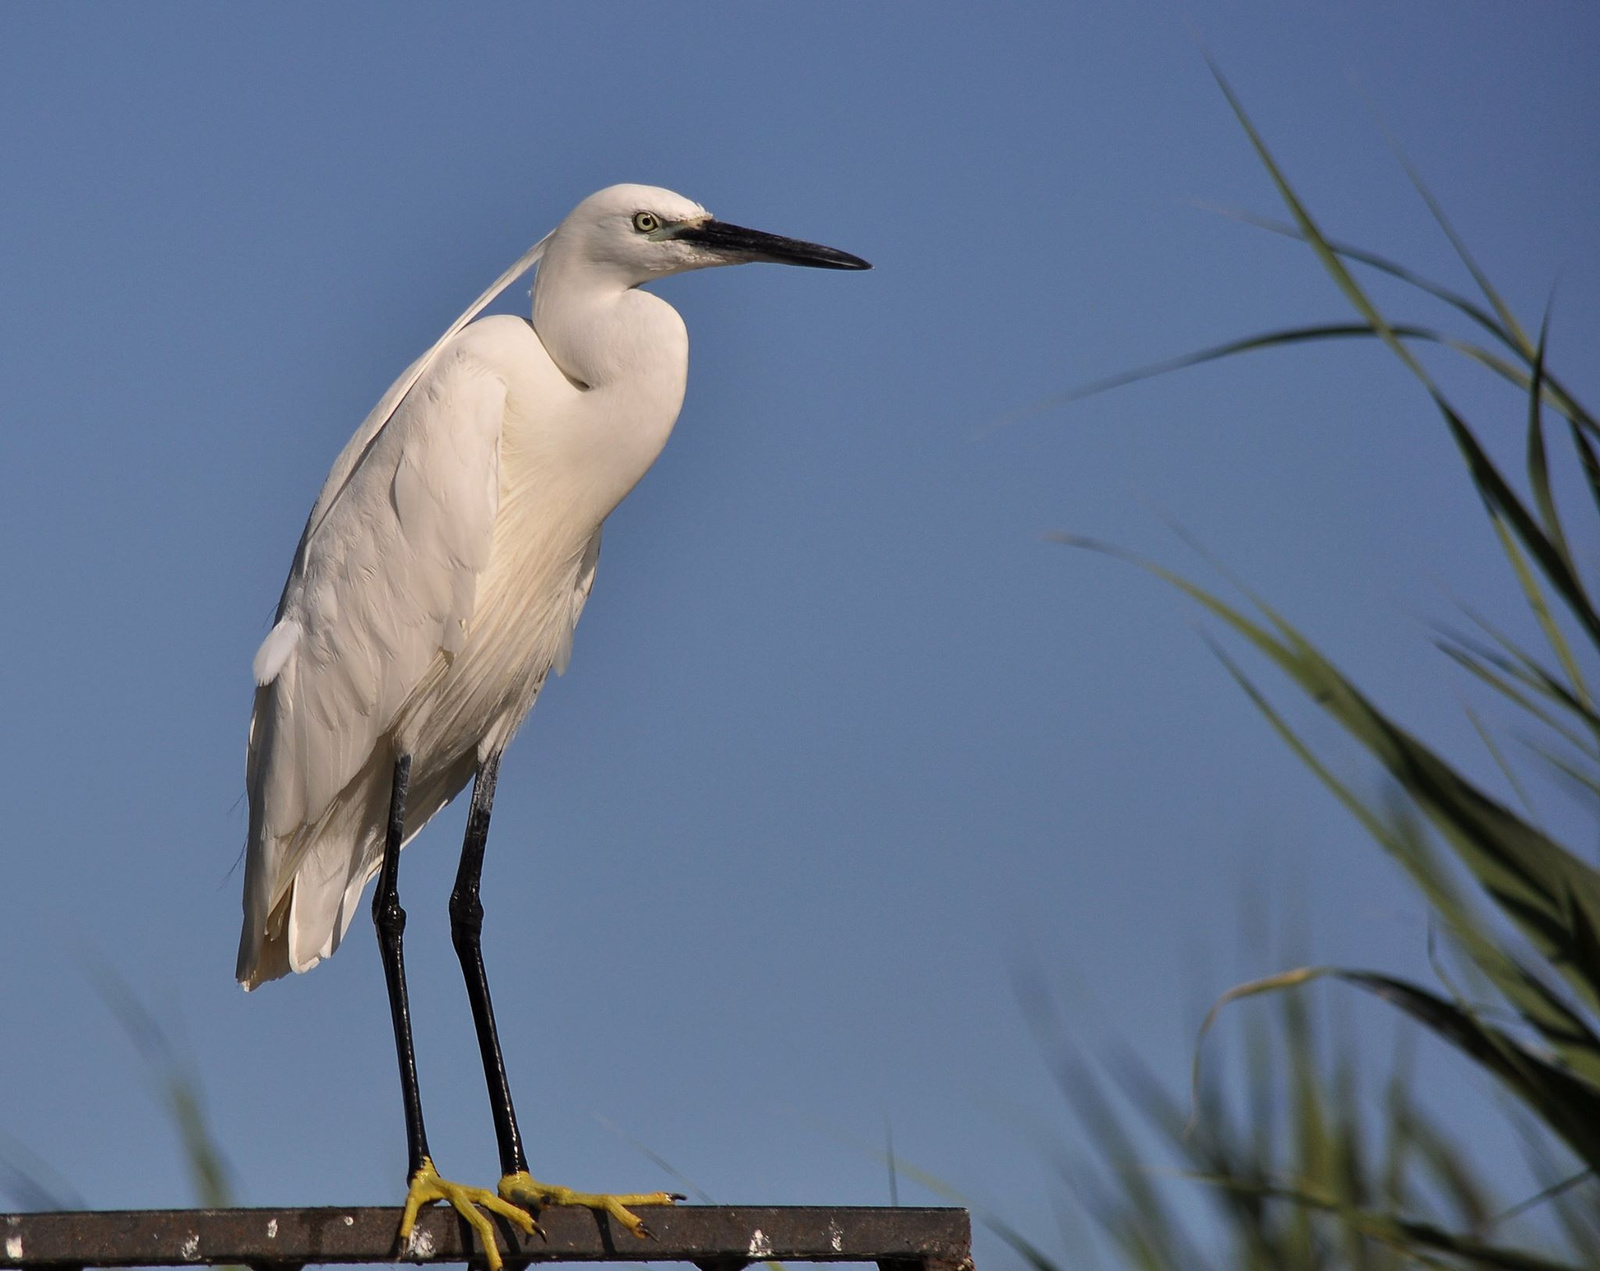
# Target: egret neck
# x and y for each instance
(626, 350)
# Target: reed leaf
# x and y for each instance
(1508, 319)
(1569, 1105)
(1555, 393)
(1526, 873)
(1415, 1238)
(1500, 676)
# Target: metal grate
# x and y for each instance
(713, 1237)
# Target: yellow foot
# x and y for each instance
(427, 1187)
(525, 1190)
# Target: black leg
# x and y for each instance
(390, 921)
(466, 930)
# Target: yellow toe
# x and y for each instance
(470, 1202)
(524, 1189)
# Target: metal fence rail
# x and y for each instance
(713, 1237)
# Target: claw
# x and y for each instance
(526, 1190)
(427, 1187)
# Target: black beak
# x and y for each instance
(753, 244)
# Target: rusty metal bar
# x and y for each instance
(714, 1237)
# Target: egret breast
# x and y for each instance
(474, 697)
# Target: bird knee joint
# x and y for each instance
(466, 913)
(387, 915)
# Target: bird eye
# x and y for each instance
(646, 222)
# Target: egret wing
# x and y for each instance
(383, 586)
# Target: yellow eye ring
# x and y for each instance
(646, 222)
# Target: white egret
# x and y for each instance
(437, 583)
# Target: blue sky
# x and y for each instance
(844, 740)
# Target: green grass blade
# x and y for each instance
(1144, 1225)
(1401, 1117)
(1568, 1105)
(1314, 236)
(1484, 474)
(1585, 937)
(1506, 770)
(1525, 669)
(1502, 310)
(1415, 1239)
(1217, 1149)
(1544, 500)
(1451, 1169)
(209, 1169)
(1252, 988)
(1559, 397)
(1565, 1031)
(1517, 377)
(1588, 460)
(33, 1184)
(1570, 1199)
(1534, 595)
(1504, 681)
(1497, 493)
(1285, 337)
(1587, 781)
(1538, 463)
(1346, 251)
(1523, 870)
(1528, 875)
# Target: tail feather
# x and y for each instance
(293, 921)
(263, 953)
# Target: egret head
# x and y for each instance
(634, 233)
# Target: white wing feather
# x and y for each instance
(382, 588)
(380, 414)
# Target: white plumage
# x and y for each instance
(451, 550)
